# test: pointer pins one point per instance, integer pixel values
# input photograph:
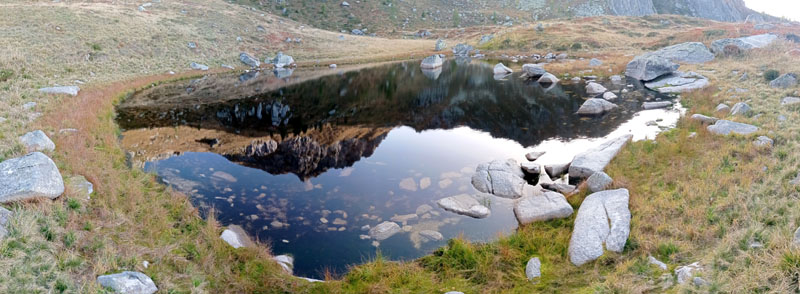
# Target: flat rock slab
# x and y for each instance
(464, 205)
(128, 283)
(68, 90)
(556, 170)
(595, 160)
(649, 67)
(384, 230)
(656, 105)
(31, 176)
(603, 219)
(599, 181)
(787, 101)
(542, 207)
(726, 127)
(704, 119)
(37, 141)
(565, 189)
(678, 82)
(744, 43)
(596, 106)
(691, 53)
(502, 178)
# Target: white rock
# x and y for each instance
(603, 218)
(501, 69)
(69, 90)
(37, 141)
(533, 269)
(128, 283)
(30, 176)
(542, 207)
(384, 230)
(465, 205)
(595, 160)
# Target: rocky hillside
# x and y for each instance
(398, 16)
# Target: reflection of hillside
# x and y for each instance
(306, 155)
(463, 94)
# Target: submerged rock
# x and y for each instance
(603, 219)
(384, 230)
(596, 106)
(595, 160)
(542, 207)
(128, 282)
(743, 44)
(465, 205)
(503, 178)
(430, 235)
(30, 176)
(726, 127)
(37, 141)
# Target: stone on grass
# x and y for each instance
(656, 105)
(556, 170)
(440, 45)
(741, 108)
(763, 142)
(501, 69)
(649, 67)
(691, 53)
(431, 62)
(609, 96)
(5, 215)
(704, 119)
(787, 101)
(533, 269)
(599, 181)
(678, 82)
(37, 141)
(31, 176)
(80, 185)
(533, 156)
(796, 238)
(656, 262)
(699, 282)
(726, 127)
(593, 88)
(533, 70)
(595, 160)
(68, 90)
(286, 262)
(686, 272)
(249, 60)
(503, 178)
(548, 78)
(595, 62)
(384, 230)
(464, 205)
(743, 44)
(596, 106)
(454, 292)
(198, 66)
(722, 108)
(542, 207)
(128, 283)
(603, 219)
(785, 81)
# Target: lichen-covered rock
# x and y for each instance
(603, 219)
(30, 176)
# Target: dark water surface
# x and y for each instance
(302, 161)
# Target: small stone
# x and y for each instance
(699, 282)
(741, 108)
(685, 273)
(198, 66)
(595, 62)
(725, 127)
(787, 101)
(69, 90)
(531, 168)
(128, 282)
(593, 88)
(722, 108)
(609, 96)
(763, 142)
(656, 262)
(533, 269)
(704, 119)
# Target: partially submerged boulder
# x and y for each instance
(596, 106)
(128, 282)
(31, 176)
(548, 78)
(37, 141)
(464, 205)
(595, 160)
(503, 178)
(678, 82)
(502, 69)
(542, 207)
(726, 127)
(603, 219)
(432, 62)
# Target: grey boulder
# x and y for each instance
(649, 67)
(787, 101)
(599, 181)
(533, 269)
(595, 160)
(30, 176)
(432, 62)
(704, 119)
(68, 90)
(464, 205)
(384, 230)
(5, 215)
(656, 105)
(37, 141)
(744, 43)
(501, 69)
(741, 108)
(503, 178)
(595, 106)
(282, 60)
(726, 127)
(249, 60)
(430, 235)
(785, 81)
(678, 82)
(198, 66)
(722, 108)
(595, 62)
(686, 272)
(691, 53)
(440, 45)
(128, 283)
(533, 70)
(603, 219)
(593, 88)
(542, 207)
(533, 156)
(763, 142)
(565, 189)
(462, 50)
(556, 170)
(286, 262)
(548, 78)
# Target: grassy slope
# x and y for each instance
(705, 203)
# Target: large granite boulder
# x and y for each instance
(384, 230)
(649, 67)
(691, 53)
(431, 62)
(128, 283)
(595, 160)
(726, 127)
(37, 141)
(533, 71)
(603, 219)
(678, 82)
(596, 106)
(785, 81)
(464, 205)
(282, 60)
(542, 207)
(503, 178)
(31, 176)
(744, 43)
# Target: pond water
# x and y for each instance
(304, 160)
